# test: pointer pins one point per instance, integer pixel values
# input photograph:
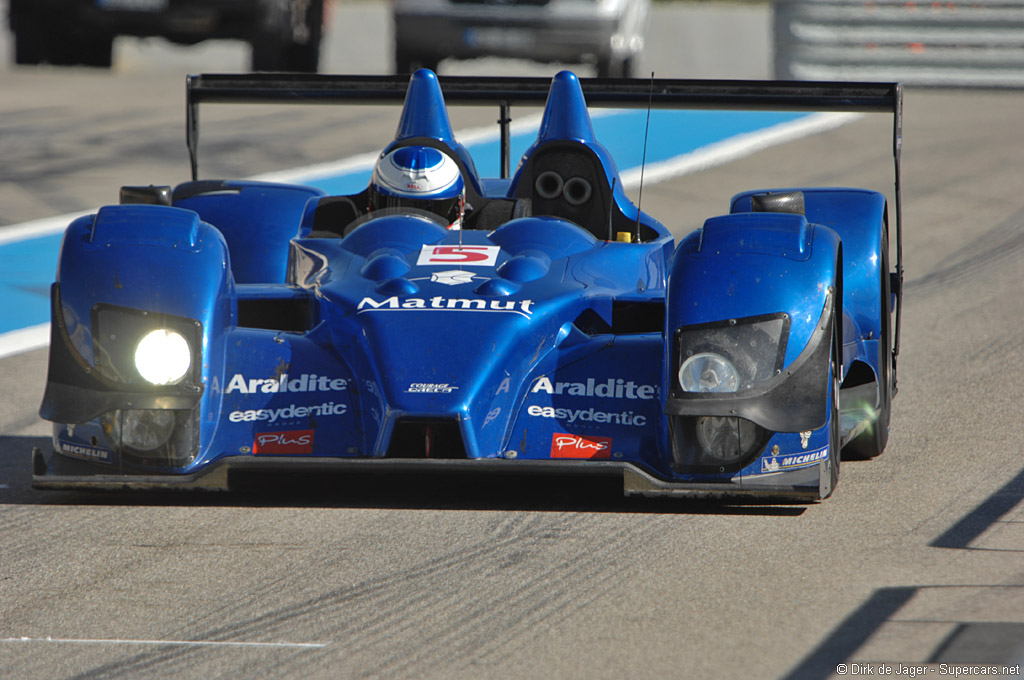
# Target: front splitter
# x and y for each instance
(53, 472)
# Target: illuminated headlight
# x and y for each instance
(147, 351)
(163, 357)
(147, 430)
(708, 372)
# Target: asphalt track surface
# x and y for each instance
(917, 557)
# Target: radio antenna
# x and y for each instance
(643, 159)
(611, 206)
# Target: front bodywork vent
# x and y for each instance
(426, 438)
(291, 314)
(628, 318)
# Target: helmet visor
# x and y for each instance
(447, 208)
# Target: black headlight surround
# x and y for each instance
(795, 400)
(738, 340)
(689, 456)
(116, 332)
(77, 392)
(178, 451)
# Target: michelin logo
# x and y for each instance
(93, 453)
(781, 463)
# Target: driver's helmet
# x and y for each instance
(419, 177)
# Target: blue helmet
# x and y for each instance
(419, 177)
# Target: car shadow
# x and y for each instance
(432, 491)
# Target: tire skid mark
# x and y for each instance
(468, 624)
(365, 620)
(1002, 244)
(480, 626)
(1001, 350)
(286, 619)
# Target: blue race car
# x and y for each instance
(534, 322)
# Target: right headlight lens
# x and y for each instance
(731, 355)
(141, 349)
(163, 357)
(708, 372)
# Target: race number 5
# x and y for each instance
(473, 256)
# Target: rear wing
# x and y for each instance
(504, 92)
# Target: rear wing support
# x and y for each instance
(278, 88)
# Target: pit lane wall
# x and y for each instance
(940, 43)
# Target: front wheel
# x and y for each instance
(834, 435)
(37, 40)
(871, 442)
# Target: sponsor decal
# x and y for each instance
(612, 388)
(431, 388)
(452, 277)
(781, 463)
(93, 453)
(441, 303)
(307, 382)
(292, 441)
(589, 415)
(272, 415)
(492, 415)
(371, 388)
(473, 256)
(565, 445)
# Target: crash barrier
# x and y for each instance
(955, 43)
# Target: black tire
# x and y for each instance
(31, 37)
(31, 44)
(871, 443)
(834, 434)
(94, 50)
(36, 42)
(304, 55)
(406, 63)
(608, 67)
(626, 69)
(275, 47)
(267, 54)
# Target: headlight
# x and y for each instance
(147, 430)
(147, 351)
(732, 355)
(728, 440)
(718, 363)
(708, 372)
(714, 444)
(163, 357)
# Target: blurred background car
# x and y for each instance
(285, 34)
(606, 33)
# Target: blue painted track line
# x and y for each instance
(28, 265)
